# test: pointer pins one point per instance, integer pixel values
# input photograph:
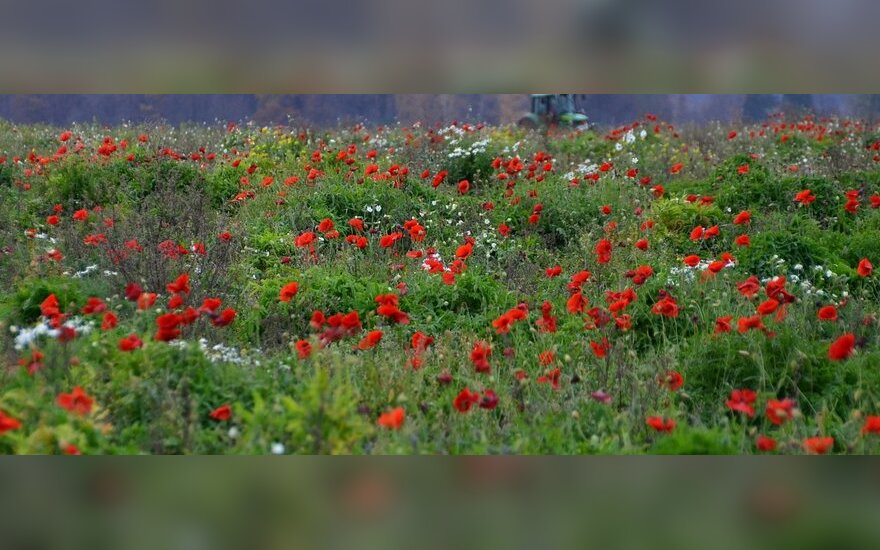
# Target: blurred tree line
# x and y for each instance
(333, 109)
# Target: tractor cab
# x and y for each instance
(553, 109)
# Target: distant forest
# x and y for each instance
(332, 110)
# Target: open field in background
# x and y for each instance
(440, 289)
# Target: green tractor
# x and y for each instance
(553, 110)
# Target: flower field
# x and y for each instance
(446, 289)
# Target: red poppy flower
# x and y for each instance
(749, 287)
(77, 401)
(506, 320)
(224, 318)
(304, 239)
(766, 444)
(489, 400)
(288, 291)
(779, 411)
(221, 413)
(804, 197)
(672, 381)
(603, 251)
(742, 401)
(818, 445)
(600, 349)
(871, 426)
(386, 241)
(146, 300)
(133, 291)
(167, 326)
(691, 261)
(465, 400)
(546, 357)
(578, 279)
(722, 324)
(554, 271)
(464, 251)
(181, 284)
(842, 347)
(49, 306)
(438, 178)
(130, 343)
(7, 423)
(109, 321)
(420, 341)
(370, 340)
(641, 244)
(743, 169)
(577, 303)
(551, 377)
(660, 424)
(464, 186)
(676, 168)
(392, 419)
(865, 268)
(391, 312)
(743, 217)
(480, 356)
(767, 307)
(827, 313)
(745, 324)
(742, 240)
(716, 266)
(303, 349)
(71, 450)
(94, 305)
(665, 307)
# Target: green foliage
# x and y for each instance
(320, 418)
(475, 165)
(695, 441)
(801, 243)
(159, 398)
(587, 144)
(80, 184)
(222, 184)
(463, 306)
(6, 175)
(677, 215)
(25, 303)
